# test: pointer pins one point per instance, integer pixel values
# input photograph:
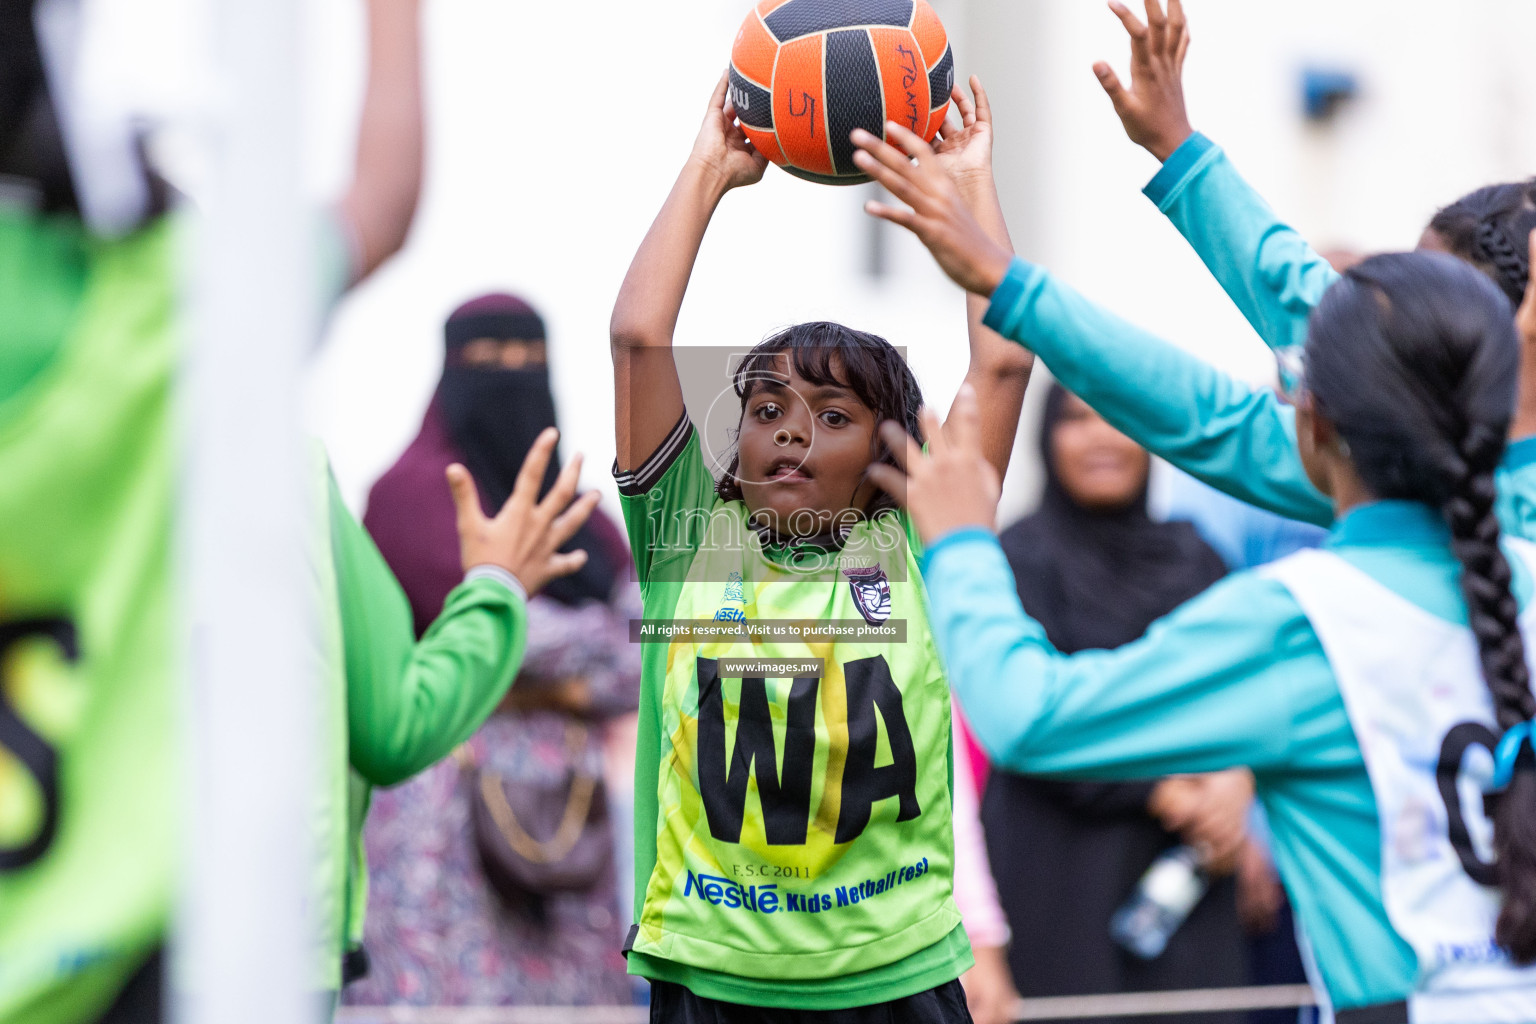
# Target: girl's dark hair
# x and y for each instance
(822, 352)
(1491, 229)
(1413, 357)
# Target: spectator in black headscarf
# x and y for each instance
(448, 923)
(1096, 571)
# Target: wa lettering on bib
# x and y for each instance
(1415, 695)
(804, 826)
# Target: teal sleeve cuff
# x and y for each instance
(1177, 168)
(1519, 454)
(1006, 296)
(957, 538)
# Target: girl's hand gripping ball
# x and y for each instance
(721, 148)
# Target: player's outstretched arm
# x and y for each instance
(381, 201)
(1225, 433)
(648, 399)
(1267, 268)
(999, 370)
(409, 704)
(1185, 698)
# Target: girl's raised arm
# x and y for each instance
(1211, 426)
(648, 398)
(999, 370)
(1202, 691)
(1263, 264)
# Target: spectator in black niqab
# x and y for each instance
(440, 929)
(493, 400)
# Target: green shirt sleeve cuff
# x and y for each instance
(957, 538)
(1193, 153)
(499, 575)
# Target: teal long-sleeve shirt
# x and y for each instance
(1221, 430)
(1236, 676)
(1276, 279)
(1237, 438)
(1262, 263)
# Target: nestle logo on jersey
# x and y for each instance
(769, 899)
(764, 899)
(723, 892)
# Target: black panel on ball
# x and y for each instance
(826, 179)
(854, 96)
(754, 105)
(803, 17)
(942, 79)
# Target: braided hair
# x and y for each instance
(823, 352)
(1491, 229)
(1413, 358)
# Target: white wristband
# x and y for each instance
(488, 571)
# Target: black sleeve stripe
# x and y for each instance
(645, 476)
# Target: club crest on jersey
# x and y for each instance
(871, 592)
(732, 601)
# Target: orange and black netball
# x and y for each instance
(805, 73)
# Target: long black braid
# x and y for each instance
(1492, 614)
(1512, 262)
(1413, 357)
(1490, 229)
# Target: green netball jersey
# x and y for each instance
(87, 709)
(793, 835)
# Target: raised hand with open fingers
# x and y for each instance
(951, 487)
(722, 147)
(1152, 109)
(938, 215)
(966, 151)
(524, 536)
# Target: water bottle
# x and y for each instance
(1163, 899)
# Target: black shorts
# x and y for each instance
(673, 1004)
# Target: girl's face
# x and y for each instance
(1100, 468)
(803, 450)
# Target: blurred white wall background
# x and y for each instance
(556, 130)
